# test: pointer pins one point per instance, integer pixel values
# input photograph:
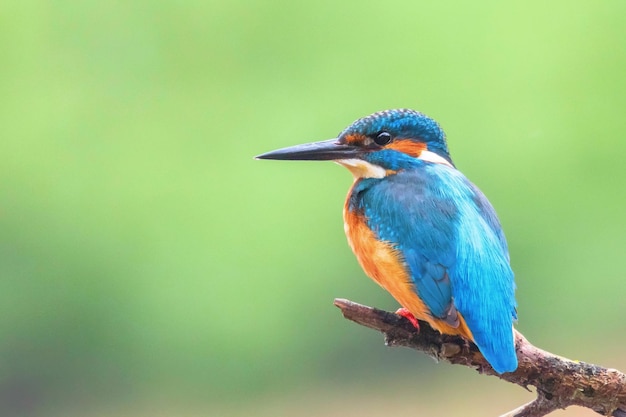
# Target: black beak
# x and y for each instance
(326, 150)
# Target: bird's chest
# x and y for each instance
(379, 259)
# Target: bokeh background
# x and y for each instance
(149, 266)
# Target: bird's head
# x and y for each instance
(376, 145)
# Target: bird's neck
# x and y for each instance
(433, 157)
(389, 162)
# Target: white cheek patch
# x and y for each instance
(362, 169)
(429, 156)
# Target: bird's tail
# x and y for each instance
(498, 347)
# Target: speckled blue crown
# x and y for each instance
(402, 123)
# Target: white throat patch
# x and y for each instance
(362, 169)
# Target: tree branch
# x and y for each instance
(559, 382)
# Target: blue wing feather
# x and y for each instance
(453, 246)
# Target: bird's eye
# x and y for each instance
(382, 138)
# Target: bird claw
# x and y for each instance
(403, 312)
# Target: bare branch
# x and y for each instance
(536, 408)
(559, 382)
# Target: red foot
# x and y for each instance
(409, 316)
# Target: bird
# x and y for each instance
(421, 230)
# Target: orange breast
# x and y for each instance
(385, 265)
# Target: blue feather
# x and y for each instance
(403, 123)
(452, 244)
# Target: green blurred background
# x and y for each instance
(149, 266)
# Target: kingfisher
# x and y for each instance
(422, 230)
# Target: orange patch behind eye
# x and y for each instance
(407, 146)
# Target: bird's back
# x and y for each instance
(432, 239)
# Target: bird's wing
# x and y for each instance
(404, 211)
(453, 247)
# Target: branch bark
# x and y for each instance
(559, 382)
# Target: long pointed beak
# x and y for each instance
(326, 150)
